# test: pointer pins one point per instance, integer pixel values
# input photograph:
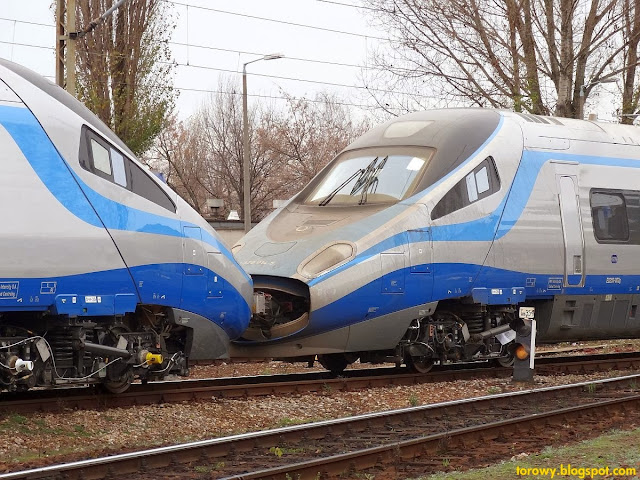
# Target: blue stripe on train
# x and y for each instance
(486, 228)
(216, 299)
(454, 280)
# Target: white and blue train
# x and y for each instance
(420, 240)
(106, 275)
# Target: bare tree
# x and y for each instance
(202, 157)
(124, 74)
(220, 123)
(180, 154)
(630, 91)
(539, 56)
(308, 134)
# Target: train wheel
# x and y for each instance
(121, 385)
(334, 362)
(420, 364)
(507, 361)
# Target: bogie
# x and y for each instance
(49, 351)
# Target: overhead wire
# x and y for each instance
(274, 97)
(242, 52)
(361, 7)
(284, 22)
(201, 90)
(189, 45)
(27, 45)
(298, 59)
(27, 22)
(280, 77)
(228, 50)
(219, 49)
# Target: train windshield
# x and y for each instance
(371, 176)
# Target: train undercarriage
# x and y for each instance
(457, 331)
(40, 350)
(453, 334)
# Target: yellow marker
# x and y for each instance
(153, 358)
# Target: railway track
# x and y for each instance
(234, 387)
(417, 439)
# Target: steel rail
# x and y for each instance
(410, 449)
(218, 448)
(262, 385)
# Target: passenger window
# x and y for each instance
(100, 157)
(119, 174)
(478, 184)
(609, 213)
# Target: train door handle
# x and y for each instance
(577, 264)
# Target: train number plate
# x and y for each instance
(527, 312)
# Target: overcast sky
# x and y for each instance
(231, 40)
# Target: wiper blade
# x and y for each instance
(329, 197)
(362, 181)
(371, 180)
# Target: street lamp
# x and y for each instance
(246, 148)
(582, 92)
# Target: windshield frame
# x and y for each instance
(381, 153)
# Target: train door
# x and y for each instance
(194, 280)
(421, 263)
(569, 201)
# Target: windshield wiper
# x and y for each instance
(371, 180)
(329, 197)
(362, 181)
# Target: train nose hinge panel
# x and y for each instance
(393, 264)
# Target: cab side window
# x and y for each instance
(105, 161)
(100, 157)
(119, 172)
(143, 185)
(477, 184)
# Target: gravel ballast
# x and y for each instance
(43, 438)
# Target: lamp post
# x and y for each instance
(582, 92)
(246, 148)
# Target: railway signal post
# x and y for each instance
(525, 345)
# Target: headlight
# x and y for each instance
(328, 258)
(236, 248)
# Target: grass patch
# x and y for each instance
(280, 451)
(288, 422)
(493, 390)
(81, 431)
(31, 456)
(203, 469)
(17, 419)
(16, 423)
(615, 449)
